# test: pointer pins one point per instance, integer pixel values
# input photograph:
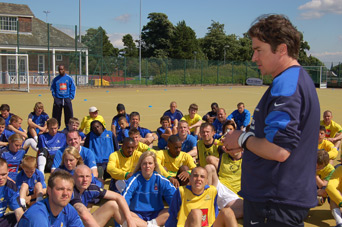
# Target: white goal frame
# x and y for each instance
(17, 78)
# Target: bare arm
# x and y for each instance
(259, 146)
(193, 152)
(197, 124)
(321, 183)
(95, 172)
(87, 218)
(23, 134)
(18, 213)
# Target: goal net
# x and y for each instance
(319, 75)
(14, 72)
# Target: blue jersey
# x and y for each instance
(102, 145)
(7, 133)
(287, 115)
(38, 120)
(162, 143)
(39, 214)
(189, 143)
(121, 134)
(173, 116)
(7, 120)
(52, 143)
(142, 131)
(8, 197)
(37, 176)
(241, 119)
(116, 119)
(13, 160)
(63, 87)
(218, 128)
(90, 194)
(147, 195)
(87, 155)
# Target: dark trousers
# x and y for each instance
(60, 104)
(272, 214)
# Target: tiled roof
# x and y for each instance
(15, 9)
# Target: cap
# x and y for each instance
(92, 109)
(120, 107)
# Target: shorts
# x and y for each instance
(147, 215)
(224, 195)
(8, 220)
(272, 214)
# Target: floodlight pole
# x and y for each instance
(79, 34)
(140, 46)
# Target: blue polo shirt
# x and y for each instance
(8, 197)
(189, 143)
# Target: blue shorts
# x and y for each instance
(147, 215)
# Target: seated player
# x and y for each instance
(103, 143)
(207, 147)
(15, 127)
(3, 140)
(120, 108)
(85, 193)
(146, 190)
(189, 142)
(93, 115)
(13, 154)
(324, 170)
(55, 210)
(138, 146)
(122, 162)
(164, 132)
(9, 197)
(175, 116)
(219, 122)
(241, 116)
(88, 156)
(176, 162)
(30, 182)
(74, 125)
(122, 131)
(333, 129)
(5, 113)
(193, 119)
(196, 204)
(334, 190)
(147, 137)
(48, 144)
(325, 144)
(211, 116)
(37, 121)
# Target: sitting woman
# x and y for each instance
(72, 158)
(145, 192)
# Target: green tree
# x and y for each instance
(214, 42)
(304, 59)
(156, 36)
(129, 46)
(184, 42)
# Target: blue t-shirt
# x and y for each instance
(7, 120)
(7, 133)
(142, 131)
(39, 214)
(147, 195)
(91, 193)
(162, 143)
(189, 143)
(287, 115)
(13, 160)
(8, 197)
(173, 116)
(116, 119)
(218, 128)
(63, 87)
(37, 176)
(87, 155)
(38, 120)
(52, 144)
(241, 119)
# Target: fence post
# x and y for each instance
(76, 55)
(246, 73)
(48, 42)
(232, 72)
(166, 71)
(201, 72)
(217, 76)
(184, 70)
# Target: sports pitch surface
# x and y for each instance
(151, 102)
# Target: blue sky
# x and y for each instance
(319, 20)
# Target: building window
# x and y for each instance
(8, 23)
(59, 57)
(41, 65)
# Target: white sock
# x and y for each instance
(337, 215)
(23, 202)
(35, 138)
(31, 142)
(152, 223)
(41, 163)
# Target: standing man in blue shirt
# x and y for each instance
(63, 91)
(280, 150)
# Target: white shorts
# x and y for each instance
(224, 195)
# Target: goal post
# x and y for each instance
(14, 72)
